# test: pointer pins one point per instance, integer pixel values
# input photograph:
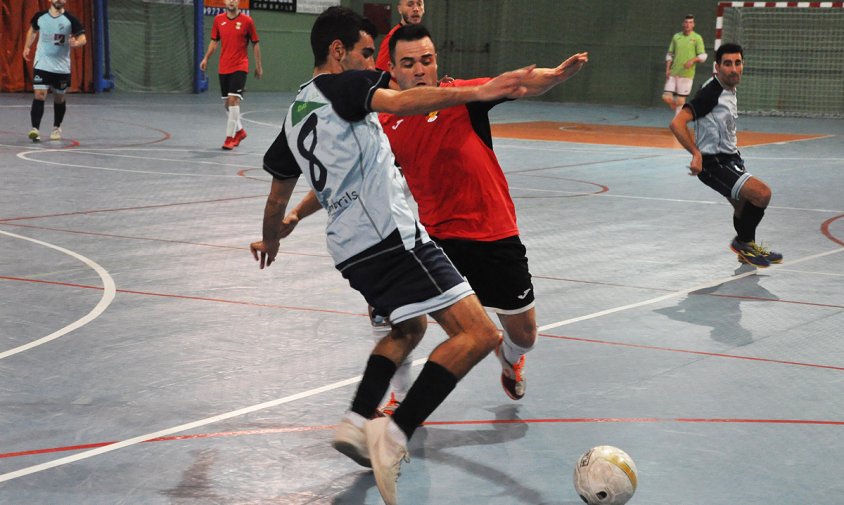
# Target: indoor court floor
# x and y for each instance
(145, 359)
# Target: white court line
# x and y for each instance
(24, 154)
(96, 152)
(176, 429)
(82, 149)
(810, 272)
(347, 382)
(664, 152)
(109, 291)
(271, 125)
(654, 198)
(710, 284)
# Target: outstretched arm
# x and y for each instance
(543, 79)
(424, 99)
(264, 251)
(681, 131)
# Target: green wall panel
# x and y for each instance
(626, 40)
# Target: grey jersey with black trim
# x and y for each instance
(332, 136)
(53, 51)
(715, 111)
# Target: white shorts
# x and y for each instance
(680, 86)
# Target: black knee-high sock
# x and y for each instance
(746, 224)
(36, 112)
(373, 386)
(430, 389)
(58, 109)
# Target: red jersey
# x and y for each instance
(382, 62)
(235, 35)
(452, 171)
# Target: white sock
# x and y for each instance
(356, 419)
(234, 118)
(401, 380)
(512, 352)
(396, 433)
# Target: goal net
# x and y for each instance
(152, 45)
(794, 56)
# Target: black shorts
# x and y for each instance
(497, 271)
(724, 173)
(403, 284)
(233, 84)
(45, 80)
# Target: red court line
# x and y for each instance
(601, 188)
(827, 233)
(187, 297)
(330, 311)
(242, 173)
(599, 283)
(141, 207)
(527, 171)
(130, 237)
(475, 422)
(699, 353)
(166, 135)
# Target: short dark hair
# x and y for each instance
(407, 33)
(338, 23)
(728, 48)
(689, 16)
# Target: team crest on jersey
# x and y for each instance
(237, 26)
(300, 110)
(432, 116)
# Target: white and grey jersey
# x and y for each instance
(715, 112)
(53, 51)
(332, 136)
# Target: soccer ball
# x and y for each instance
(605, 475)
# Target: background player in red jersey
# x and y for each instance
(234, 30)
(462, 195)
(411, 12)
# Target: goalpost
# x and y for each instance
(794, 53)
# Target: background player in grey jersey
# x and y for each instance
(57, 31)
(332, 134)
(715, 157)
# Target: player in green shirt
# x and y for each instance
(685, 51)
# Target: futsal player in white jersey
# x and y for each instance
(57, 32)
(332, 135)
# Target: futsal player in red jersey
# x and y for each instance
(462, 194)
(411, 12)
(235, 30)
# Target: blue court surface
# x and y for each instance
(145, 359)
